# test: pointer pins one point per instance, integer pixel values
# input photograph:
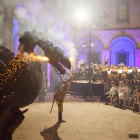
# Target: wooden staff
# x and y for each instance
(58, 75)
(52, 106)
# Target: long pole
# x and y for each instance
(52, 106)
(90, 90)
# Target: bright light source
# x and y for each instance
(81, 14)
(84, 45)
(92, 44)
(71, 59)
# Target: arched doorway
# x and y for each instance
(96, 50)
(122, 50)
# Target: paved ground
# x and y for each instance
(84, 121)
(71, 96)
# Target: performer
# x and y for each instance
(104, 74)
(130, 76)
(99, 73)
(115, 70)
(106, 62)
(121, 64)
(60, 95)
(125, 73)
(80, 62)
(135, 73)
(95, 74)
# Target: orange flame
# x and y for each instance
(39, 57)
(42, 58)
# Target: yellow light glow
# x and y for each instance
(71, 59)
(39, 57)
(42, 58)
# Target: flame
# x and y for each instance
(42, 58)
(39, 57)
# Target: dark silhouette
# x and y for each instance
(106, 62)
(51, 133)
(10, 119)
(21, 77)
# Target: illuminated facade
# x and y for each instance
(117, 38)
(117, 46)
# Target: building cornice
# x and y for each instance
(109, 29)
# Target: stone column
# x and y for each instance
(8, 25)
(137, 58)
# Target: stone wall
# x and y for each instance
(110, 7)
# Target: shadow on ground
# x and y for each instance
(51, 133)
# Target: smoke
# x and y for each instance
(72, 51)
(32, 15)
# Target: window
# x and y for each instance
(123, 12)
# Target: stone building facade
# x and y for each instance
(118, 38)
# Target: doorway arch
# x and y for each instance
(122, 48)
(96, 50)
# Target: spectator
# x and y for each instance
(111, 92)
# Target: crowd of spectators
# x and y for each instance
(122, 87)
